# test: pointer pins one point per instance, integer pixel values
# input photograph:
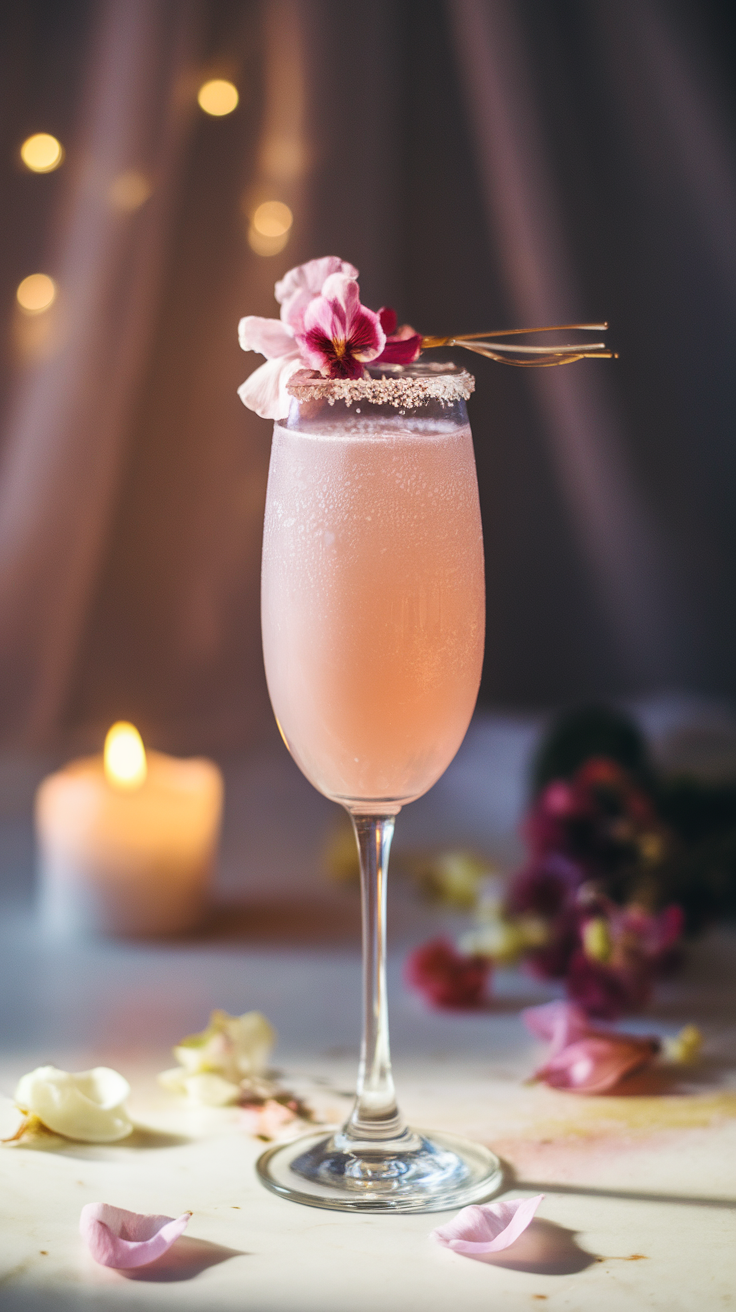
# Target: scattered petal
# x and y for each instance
(489, 1228)
(267, 1121)
(218, 1065)
(559, 1023)
(87, 1106)
(598, 1062)
(123, 1239)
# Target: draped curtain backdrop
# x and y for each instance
(486, 164)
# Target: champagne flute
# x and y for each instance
(373, 614)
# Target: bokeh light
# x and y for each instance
(218, 97)
(270, 227)
(129, 190)
(42, 153)
(272, 218)
(36, 293)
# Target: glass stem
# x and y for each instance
(375, 1114)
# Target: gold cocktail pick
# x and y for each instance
(528, 357)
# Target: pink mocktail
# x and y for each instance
(373, 602)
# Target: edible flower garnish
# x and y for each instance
(324, 327)
(123, 1239)
(340, 335)
(88, 1106)
(479, 1231)
(402, 344)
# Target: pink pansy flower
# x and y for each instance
(583, 1059)
(299, 287)
(340, 335)
(478, 1231)
(123, 1239)
(402, 345)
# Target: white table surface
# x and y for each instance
(639, 1188)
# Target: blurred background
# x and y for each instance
(485, 164)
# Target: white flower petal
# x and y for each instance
(210, 1090)
(270, 337)
(300, 285)
(87, 1106)
(265, 390)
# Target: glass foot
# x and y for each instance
(416, 1172)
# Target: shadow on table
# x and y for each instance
(544, 1249)
(45, 1141)
(627, 1195)
(185, 1259)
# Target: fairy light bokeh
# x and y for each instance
(218, 97)
(270, 227)
(42, 153)
(36, 293)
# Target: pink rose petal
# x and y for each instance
(266, 1120)
(123, 1239)
(597, 1063)
(559, 1023)
(488, 1228)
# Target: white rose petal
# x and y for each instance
(216, 1065)
(87, 1106)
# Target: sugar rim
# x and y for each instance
(405, 389)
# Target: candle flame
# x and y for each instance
(125, 757)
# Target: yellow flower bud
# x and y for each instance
(597, 943)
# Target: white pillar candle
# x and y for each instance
(127, 841)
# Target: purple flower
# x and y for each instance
(339, 334)
(607, 991)
(544, 888)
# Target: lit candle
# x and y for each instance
(127, 839)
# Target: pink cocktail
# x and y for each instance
(373, 626)
(373, 601)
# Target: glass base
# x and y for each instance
(416, 1172)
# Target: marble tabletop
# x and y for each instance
(639, 1204)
